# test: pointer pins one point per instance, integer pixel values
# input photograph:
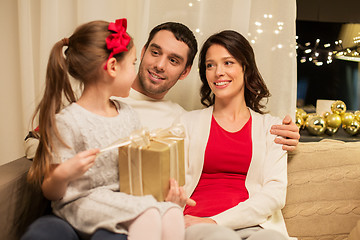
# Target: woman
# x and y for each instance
(236, 174)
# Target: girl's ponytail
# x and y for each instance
(57, 86)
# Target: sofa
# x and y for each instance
(323, 199)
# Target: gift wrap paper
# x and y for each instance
(147, 170)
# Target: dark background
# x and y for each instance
(320, 19)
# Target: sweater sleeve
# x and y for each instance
(267, 189)
(63, 152)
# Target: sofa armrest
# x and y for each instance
(323, 198)
(20, 203)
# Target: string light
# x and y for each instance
(356, 39)
(314, 52)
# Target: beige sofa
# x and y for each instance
(323, 200)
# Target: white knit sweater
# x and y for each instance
(93, 201)
(266, 181)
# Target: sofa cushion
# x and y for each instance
(12, 180)
(323, 198)
(20, 203)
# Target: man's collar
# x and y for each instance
(140, 96)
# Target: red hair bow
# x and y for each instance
(117, 41)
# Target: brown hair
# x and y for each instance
(84, 57)
(240, 49)
(182, 33)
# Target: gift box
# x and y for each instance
(150, 160)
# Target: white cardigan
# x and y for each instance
(266, 180)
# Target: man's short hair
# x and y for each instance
(182, 33)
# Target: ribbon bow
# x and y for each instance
(141, 138)
(117, 41)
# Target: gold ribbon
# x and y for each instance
(142, 137)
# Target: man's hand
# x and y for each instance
(177, 195)
(290, 133)
(192, 220)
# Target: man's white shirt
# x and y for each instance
(153, 113)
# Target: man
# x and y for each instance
(166, 58)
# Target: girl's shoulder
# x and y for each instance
(120, 105)
(67, 112)
(125, 110)
(123, 107)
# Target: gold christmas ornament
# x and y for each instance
(357, 115)
(338, 107)
(347, 118)
(308, 117)
(316, 125)
(301, 112)
(331, 131)
(326, 114)
(353, 128)
(333, 120)
(299, 121)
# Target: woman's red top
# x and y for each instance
(226, 163)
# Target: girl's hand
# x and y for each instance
(76, 166)
(55, 183)
(192, 220)
(177, 195)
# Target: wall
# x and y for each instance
(12, 131)
(31, 27)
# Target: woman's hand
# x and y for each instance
(289, 133)
(192, 220)
(55, 183)
(177, 195)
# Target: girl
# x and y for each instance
(82, 185)
(237, 174)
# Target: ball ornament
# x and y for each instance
(347, 118)
(333, 120)
(353, 128)
(301, 112)
(331, 131)
(316, 125)
(357, 115)
(338, 107)
(299, 121)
